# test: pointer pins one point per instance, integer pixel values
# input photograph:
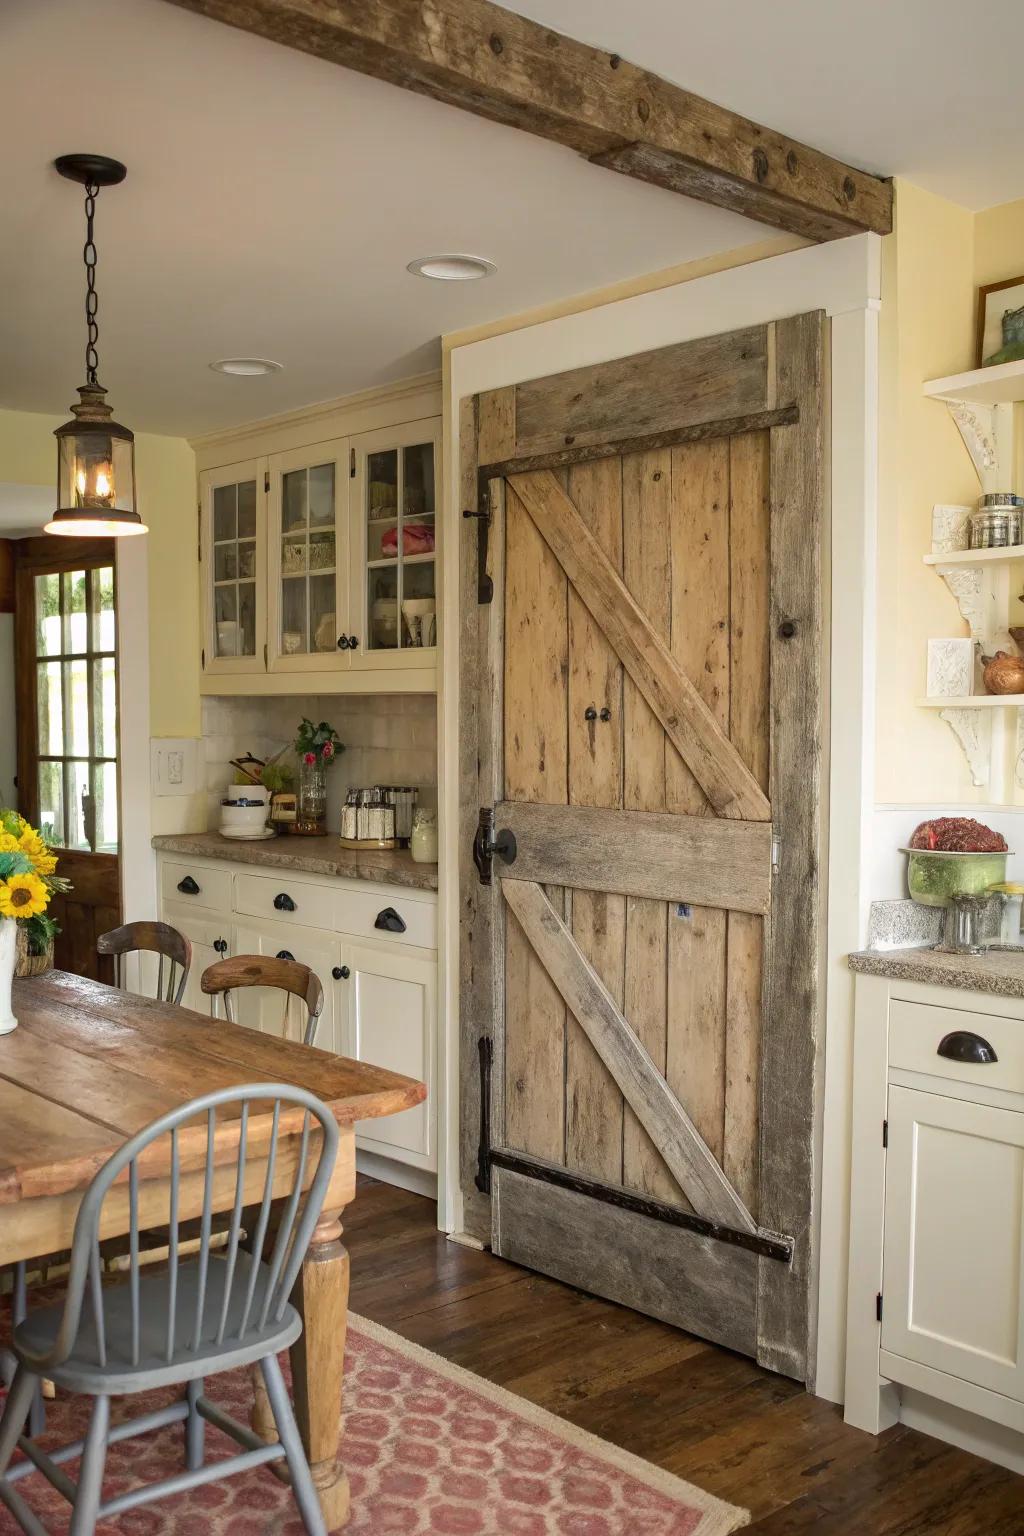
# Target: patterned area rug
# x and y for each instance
(430, 1450)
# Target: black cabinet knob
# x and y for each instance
(341, 973)
(283, 902)
(343, 642)
(188, 886)
(221, 946)
(353, 642)
(390, 921)
(963, 1045)
(285, 954)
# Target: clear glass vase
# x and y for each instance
(312, 808)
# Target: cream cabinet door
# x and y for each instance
(265, 1009)
(953, 1260)
(390, 1020)
(309, 575)
(210, 937)
(233, 554)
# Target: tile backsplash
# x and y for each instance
(389, 739)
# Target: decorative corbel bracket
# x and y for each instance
(973, 730)
(987, 431)
(978, 599)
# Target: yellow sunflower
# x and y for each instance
(32, 845)
(9, 843)
(23, 896)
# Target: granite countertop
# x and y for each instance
(308, 855)
(1000, 971)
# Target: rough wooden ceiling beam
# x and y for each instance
(489, 61)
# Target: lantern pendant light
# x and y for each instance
(95, 454)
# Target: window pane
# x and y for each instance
(321, 494)
(104, 634)
(47, 615)
(247, 509)
(76, 703)
(81, 807)
(75, 630)
(51, 802)
(104, 707)
(224, 524)
(105, 796)
(51, 728)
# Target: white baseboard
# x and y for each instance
(966, 1430)
(416, 1180)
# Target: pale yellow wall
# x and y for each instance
(166, 478)
(999, 243)
(927, 330)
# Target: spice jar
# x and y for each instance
(1012, 896)
(423, 843)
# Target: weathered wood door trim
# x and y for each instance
(776, 368)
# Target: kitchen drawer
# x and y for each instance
(285, 900)
(214, 885)
(395, 917)
(917, 1029)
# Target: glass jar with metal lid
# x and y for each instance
(998, 521)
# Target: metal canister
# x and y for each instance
(997, 522)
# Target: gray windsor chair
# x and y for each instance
(214, 1313)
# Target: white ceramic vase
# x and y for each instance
(8, 959)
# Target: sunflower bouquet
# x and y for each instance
(28, 880)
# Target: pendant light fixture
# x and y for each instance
(95, 454)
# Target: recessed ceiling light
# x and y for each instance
(246, 367)
(452, 269)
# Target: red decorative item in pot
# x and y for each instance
(957, 834)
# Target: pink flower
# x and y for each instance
(309, 759)
(327, 751)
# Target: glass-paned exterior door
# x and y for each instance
(76, 706)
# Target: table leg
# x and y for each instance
(318, 1359)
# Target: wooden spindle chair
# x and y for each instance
(159, 939)
(211, 1313)
(281, 972)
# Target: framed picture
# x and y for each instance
(1000, 337)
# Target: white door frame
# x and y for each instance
(138, 860)
(843, 278)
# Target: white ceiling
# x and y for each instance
(925, 89)
(24, 508)
(271, 206)
(273, 200)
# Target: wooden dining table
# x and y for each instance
(89, 1066)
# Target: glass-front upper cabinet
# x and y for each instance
(394, 523)
(233, 543)
(309, 574)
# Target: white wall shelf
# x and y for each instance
(975, 701)
(971, 557)
(1002, 384)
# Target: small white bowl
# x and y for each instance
(243, 818)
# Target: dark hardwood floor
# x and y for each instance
(709, 1416)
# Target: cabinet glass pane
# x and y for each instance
(382, 484)
(382, 594)
(321, 494)
(234, 569)
(323, 627)
(294, 557)
(293, 499)
(418, 480)
(400, 548)
(294, 633)
(419, 605)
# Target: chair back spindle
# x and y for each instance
(173, 951)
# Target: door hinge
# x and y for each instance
(485, 1047)
(264, 654)
(199, 531)
(776, 852)
(487, 842)
(266, 482)
(351, 463)
(202, 657)
(885, 1133)
(878, 1307)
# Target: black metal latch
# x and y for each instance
(488, 842)
(482, 513)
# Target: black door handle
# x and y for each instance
(962, 1045)
(221, 946)
(283, 902)
(188, 886)
(390, 921)
(341, 973)
(285, 954)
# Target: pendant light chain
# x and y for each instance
(92, 329)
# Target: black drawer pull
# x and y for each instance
(188, 886)
(284, 903)
(341, 973)
(390, 921)
(285, 954)
(221, 946)
(962, 1045)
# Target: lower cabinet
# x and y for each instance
(204, 931)
(390, 1021)
(266, 1010)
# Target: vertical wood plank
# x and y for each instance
(749, 698)
(536, 697)
(699, 525)
(791, 1025)
(593, 1101)
(646, 568)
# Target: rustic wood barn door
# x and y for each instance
(641, 798)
